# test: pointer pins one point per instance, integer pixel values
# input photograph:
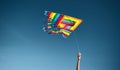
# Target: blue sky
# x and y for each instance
(25, 46)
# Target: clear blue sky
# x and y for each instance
(25, 46)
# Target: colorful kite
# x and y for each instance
(61, 24)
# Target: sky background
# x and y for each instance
(25, 46)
